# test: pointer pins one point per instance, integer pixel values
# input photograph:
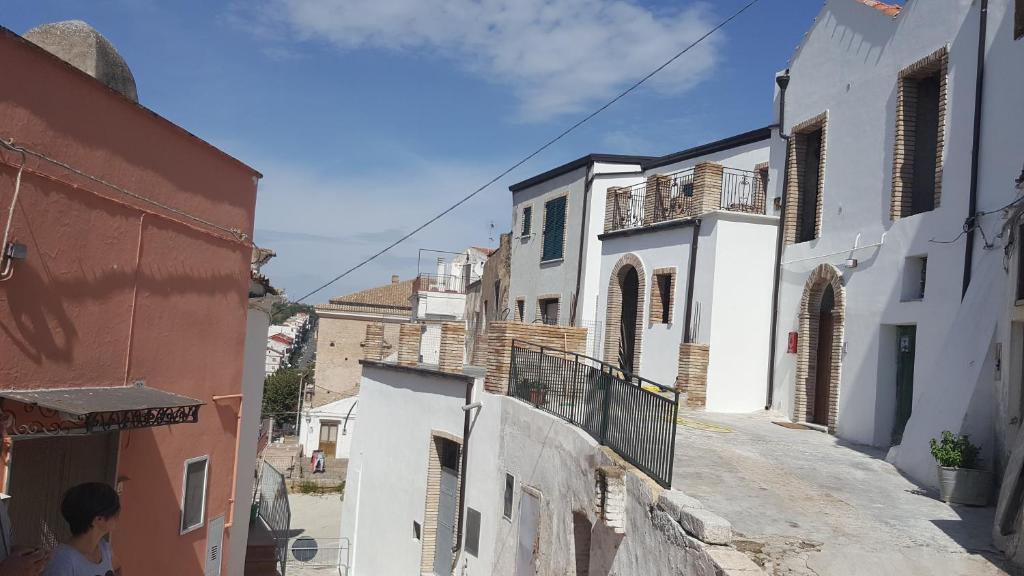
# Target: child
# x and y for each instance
(91, 510)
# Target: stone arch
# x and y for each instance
(824, 276)
(613, 314)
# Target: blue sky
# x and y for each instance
(368, 116)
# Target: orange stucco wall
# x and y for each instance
(108, 296)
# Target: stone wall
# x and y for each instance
(338, 351)
(499, 346)
(409, 337)
(453, 347)
(693, 373)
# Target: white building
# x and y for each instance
(440, 295)
(274, 359)
(685, 275)
(904, 325)
(329, 427)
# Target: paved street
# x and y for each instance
(318, 518)
(804, 503)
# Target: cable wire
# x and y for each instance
(545, 146)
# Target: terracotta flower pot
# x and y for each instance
(537, 396)
(965, 486)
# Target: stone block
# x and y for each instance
(733, 562)
(705, 526)
(674, 501)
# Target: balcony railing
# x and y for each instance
(686, 194)
(451, 283)
(631, 415)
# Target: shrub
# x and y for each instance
(955, 451)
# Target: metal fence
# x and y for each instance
(631, 415)
(742, 191)
(274, 510)
(315, 556)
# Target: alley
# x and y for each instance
(806, 503)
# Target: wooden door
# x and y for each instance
(823, 370)
(906, 337)
(627, 319)
(329, 438)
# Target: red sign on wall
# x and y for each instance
(792, 343)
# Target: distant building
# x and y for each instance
(487, 299)
(439, 294)
(342, 331)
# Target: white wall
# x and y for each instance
(387, 473)
(439, 305)
(344, 412)
(253, 374)
(741, 318)
(848, 66)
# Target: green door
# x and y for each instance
(905, 342)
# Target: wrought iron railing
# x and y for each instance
(274, 510)
(742, 191)
(633, 416)
(451, 283)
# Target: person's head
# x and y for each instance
(93, 505)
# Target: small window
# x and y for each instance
(527, 220)
(449, 455)
(472, 531)
(416, 530)
(554, 229)
(665, 294)
(809, 150)
(549, 311)
(193, 500)
(497, 299)
(521, 307)
(1018, 20)
(510, 486)
(915, 272)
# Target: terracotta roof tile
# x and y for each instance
(887, 9)
(390, 299)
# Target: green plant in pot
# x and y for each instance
(961, 478)
(538, 391)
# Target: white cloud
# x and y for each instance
(557, 56)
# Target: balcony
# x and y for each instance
(708, 187)
(446, 283)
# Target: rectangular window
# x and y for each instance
(549, 311)
(917, 158)
(416, 530)
(521, 307)
(193, 500)
(554, 229)
(915, 272)
(527, 220)
(472, 531)
(1018, 20)
(510, 486)
(1020, 265)
(665, 293)
(809, 184)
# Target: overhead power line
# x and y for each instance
(544, 147)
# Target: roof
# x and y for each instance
(389, 299)
(647, 162)
(486, 251)
(887, 9)
(282, 338)
(575, 165)
(85, 401)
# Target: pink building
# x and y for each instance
(122, 311)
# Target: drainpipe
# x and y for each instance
(465, 461)
(783, 83)
(583, 242)
(972, 205)
(234, 467)
(689, 280)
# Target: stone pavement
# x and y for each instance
(805, 503)
(319, 518)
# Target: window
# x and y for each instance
(915, 271)
(193, 501)
(521, 307)
(917, 159)
(527, 221)
(449, 455)
(554, 229)
(1018, 20)
(498, 314)
(472, 531)
(1020, 266)
(510, 486)
(661, 296)
(808, 182)
(549, 310)
(416, 530)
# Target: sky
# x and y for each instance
(367, 117)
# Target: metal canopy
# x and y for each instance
(76, 410)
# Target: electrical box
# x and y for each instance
(793, 339)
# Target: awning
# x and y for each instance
(56, 411)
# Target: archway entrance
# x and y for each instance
(627, 340)
(623, 335)
(822, 313)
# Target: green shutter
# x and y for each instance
(527, 220)
(554, 229)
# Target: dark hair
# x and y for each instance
(83, 503)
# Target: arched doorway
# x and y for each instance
(623, 335)
(627, 320)
(822, 313)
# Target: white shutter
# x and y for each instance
(214, 546)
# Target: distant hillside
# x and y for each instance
(285, 310)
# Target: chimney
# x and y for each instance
(394, 278)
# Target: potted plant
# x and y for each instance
(538, 391)
(961, 479)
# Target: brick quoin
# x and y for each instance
(613, 316)
(806, 367)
